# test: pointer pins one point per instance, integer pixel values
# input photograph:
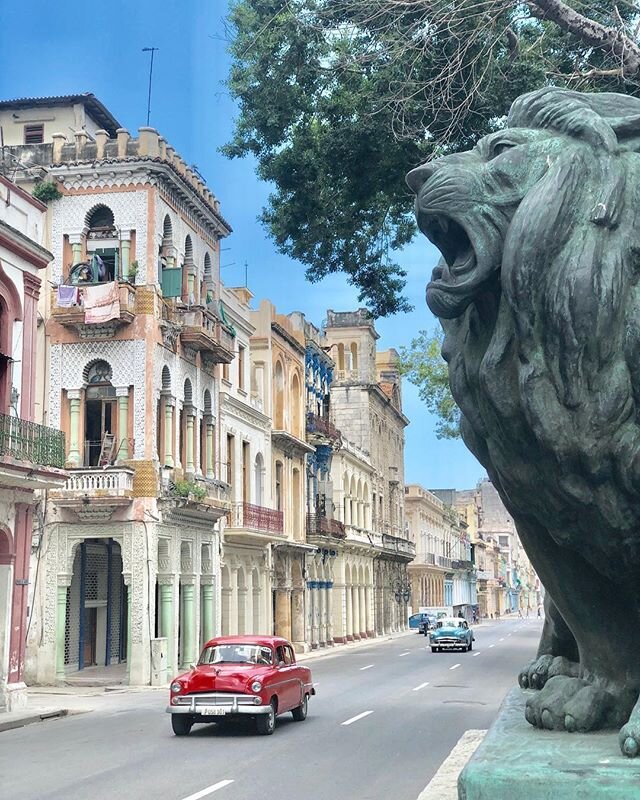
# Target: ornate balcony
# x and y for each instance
(404, 548)
(319, 525)
(94, 494)
(31, 456)
(73, 316)
(461, 564)
(251, 521)
(196, 497)
(321, 430)
(203, 332)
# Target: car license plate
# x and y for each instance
(212, 711)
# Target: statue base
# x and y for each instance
(518, 760)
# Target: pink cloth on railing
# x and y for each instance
(68, 296)
(101, 303)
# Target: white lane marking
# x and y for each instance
(509, 634)
(406, 653)
(492, 645)
(367, 667)
(208, 790)
(455, 666)
(422, 685)
(502, 638)
(349, 721)
(476, 654)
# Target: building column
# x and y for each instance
(74, 396)
(75, 240)
(363, 611)
(209, 461)
(283, 613)
(322, 622)
(168, 431)
(329, 605)
(190, 466)
(349, 612)
(167, 619)
(122, 393)
(233, 602)
(297, 616)
(356, 612)
(61, 623)
(208, 616)
(125, 243)
(188, 615)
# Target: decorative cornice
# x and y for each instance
(23, 246)
(31, 285)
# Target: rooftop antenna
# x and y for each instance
(246, 283)
(151, 50)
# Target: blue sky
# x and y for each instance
(69, 48)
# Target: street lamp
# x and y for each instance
(401, 590)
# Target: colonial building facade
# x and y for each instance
(31, 456)
(368, 479)
(136, 338)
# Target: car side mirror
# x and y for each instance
(281, 664)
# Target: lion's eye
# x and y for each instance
(499, 148)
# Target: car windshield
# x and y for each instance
(236, 654)
(450, 623)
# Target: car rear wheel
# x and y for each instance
(266, 723)
(300, 713)
(181, 724)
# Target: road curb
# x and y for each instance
(350, 647)
(30, 718)
(444, 784)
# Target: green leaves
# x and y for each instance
(339, 99)
(422, 364)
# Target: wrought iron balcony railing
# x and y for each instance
(248, 515)
(322, 426)
(317, 524)
(28, 441)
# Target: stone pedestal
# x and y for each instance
(518, 760)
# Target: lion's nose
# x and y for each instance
(419, 176)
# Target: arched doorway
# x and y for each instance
(97, 607)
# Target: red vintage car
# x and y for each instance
(255, 676)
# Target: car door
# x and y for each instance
(289, 685)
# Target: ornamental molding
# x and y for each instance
(232, 406)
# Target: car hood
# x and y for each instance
(449, 631)
(221, 677)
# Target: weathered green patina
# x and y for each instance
(517, 761)
(538, 293)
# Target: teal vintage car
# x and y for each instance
(451, 633)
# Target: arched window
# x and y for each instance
(279, 396)
(296, 405)
(341, 356)
(103, 248)
(10, 310)
(279, 487)
(101, 434)
(166, 379)
(188, 250)
(259, 479)
(188, 393)
(354, 355)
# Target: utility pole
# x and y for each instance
(151, 50)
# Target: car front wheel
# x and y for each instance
(470, 645)
(181, 724)
(300, 713)
(266, 723)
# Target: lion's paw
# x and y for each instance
(570, 704)
(545, 667)
(629, 738)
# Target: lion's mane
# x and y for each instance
(547, 371)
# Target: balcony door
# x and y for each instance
(100, 419)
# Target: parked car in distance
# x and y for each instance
(237, 676)
(451, 633)
(417, 621)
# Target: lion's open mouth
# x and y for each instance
(452, 241)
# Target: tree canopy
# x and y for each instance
(338, 99)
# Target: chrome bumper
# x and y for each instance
(227, 704)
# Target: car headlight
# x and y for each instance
(256, 686)
(176, 687)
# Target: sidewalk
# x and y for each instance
(54, 702)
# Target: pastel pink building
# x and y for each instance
(31, 456)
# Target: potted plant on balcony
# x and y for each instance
(132, 272)
(189, 490)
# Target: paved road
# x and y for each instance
(385, 717)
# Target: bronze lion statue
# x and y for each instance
(538, 291)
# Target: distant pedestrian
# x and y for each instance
(539, 614)
(519, 612)
(527, 612)
(475, 616)
(460, 614)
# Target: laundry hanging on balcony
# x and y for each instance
(68, 296)
(101, 303)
